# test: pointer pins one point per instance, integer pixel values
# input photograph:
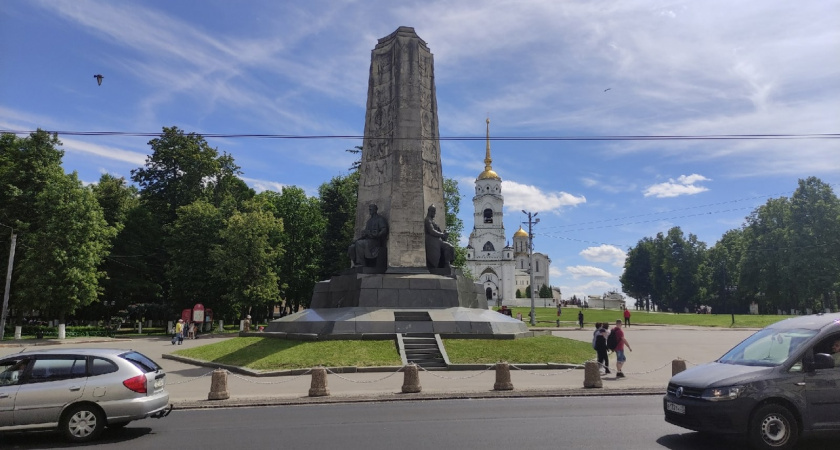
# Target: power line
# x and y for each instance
(457, 138)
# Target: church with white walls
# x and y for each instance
(499, 267)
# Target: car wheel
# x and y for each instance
(82, 423)
(118, 425)
(773, 427)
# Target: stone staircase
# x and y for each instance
(422, 349)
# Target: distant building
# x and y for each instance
(610, 300)
(500, 268)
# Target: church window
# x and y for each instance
(538, 265)
(488, 215)
(488, 247)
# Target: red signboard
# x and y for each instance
(198, 313)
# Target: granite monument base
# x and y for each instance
(357, 305)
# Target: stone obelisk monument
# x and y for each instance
(401, 281)
(401, 171)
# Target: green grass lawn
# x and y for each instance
(547, 317)
(280, 354)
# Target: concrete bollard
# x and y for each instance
(218, 385)
(677, 366)
(411, 381)
(592, 375)
(503, 382)
(318, 388)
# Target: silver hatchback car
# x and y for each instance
(79, 391)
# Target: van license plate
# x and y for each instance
(673, 407)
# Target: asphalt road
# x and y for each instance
(632, 422)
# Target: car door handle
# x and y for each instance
(4, 395)
(75, 388)
(801, 383)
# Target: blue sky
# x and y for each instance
(536, 68)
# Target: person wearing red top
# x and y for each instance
(626, 317)
(619, 349)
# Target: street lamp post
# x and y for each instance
(532, 220)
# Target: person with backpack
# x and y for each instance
(617, 336)
(595, 334)
(601, 349)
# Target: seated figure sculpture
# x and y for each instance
(439, 253)
(364, 251)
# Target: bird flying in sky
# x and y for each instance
(99, 78)
(607, 89)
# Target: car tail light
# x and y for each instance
(136, 384)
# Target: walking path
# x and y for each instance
(647, 370)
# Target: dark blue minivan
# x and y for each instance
(778, 384)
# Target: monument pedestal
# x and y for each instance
(358, 305)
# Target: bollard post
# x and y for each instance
(677, 366)
(411, 381)
(592, 375)
(503, 382)
(218, 385)
(318, 388)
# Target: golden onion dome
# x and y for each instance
(488, 174)
(520, 233)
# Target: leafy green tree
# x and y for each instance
(454, 225)
(246, 260)
(62, 232)
(636, 280)
(338, 208)
(518, 294)
(767, 257)
(545, 292)
(815, 235)
(190, 268)
(179, 171)
(304, 227)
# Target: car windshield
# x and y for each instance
(769, 347)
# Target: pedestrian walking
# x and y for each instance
(580, 319)
(619, 349)
(179, 332)
(601, 349)
(626, 317)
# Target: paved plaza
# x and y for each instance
(648, 370)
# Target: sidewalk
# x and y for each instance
(647, 371)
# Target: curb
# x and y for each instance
(400, 397)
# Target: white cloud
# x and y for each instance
(118, 154)
(555, 272)
(606, 254)
(522, 196)
(684, 185)
(588, 271)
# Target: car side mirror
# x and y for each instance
(820, 361)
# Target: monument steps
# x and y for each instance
(423, 350)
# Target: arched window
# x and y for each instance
(538, 265)
(488, 215)
(488, 247)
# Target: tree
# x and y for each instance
(179, 171)
(545, 292)
(454, 225)
(518, 293)
(636, 280)
(338, 208)
(246, 260)
(815, 235)
(62, 232)
(304, 227)
(190, 268)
